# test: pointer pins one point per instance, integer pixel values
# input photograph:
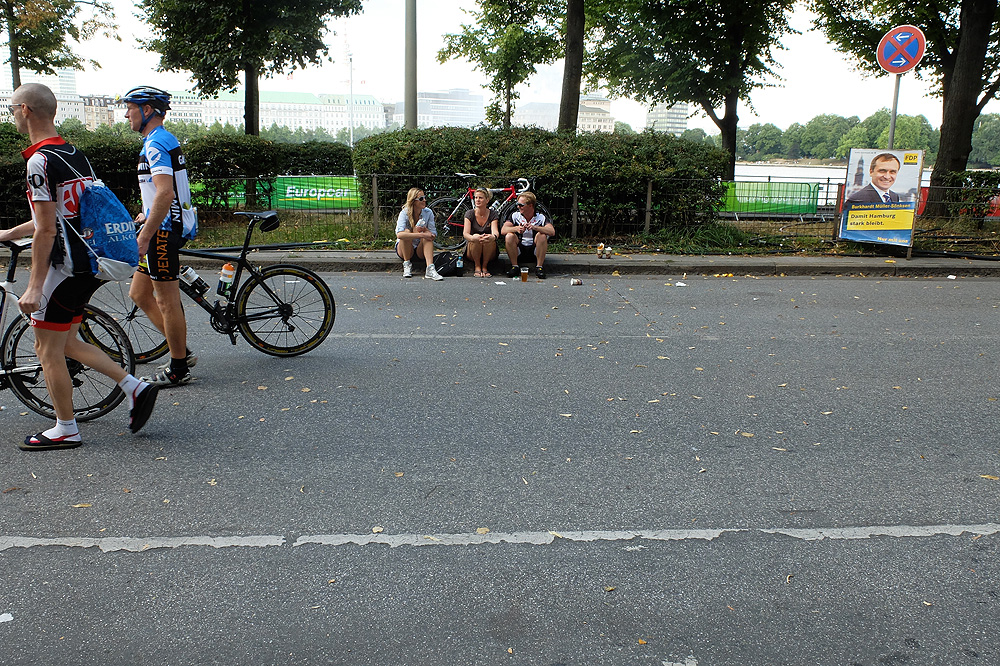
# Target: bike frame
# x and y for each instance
(513, 190)
(7, 288)
(225, 319)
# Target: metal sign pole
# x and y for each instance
(892, 117)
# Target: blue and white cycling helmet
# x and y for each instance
(143, 95)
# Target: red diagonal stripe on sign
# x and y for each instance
(900, 48)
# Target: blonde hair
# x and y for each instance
(485, 192)
(530, 196)
(411, 205)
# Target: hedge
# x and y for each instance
(609, 172)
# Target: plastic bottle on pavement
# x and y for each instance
(600, 250)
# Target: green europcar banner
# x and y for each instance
(316, 192)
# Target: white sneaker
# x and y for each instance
(432, 273)
(407, 269)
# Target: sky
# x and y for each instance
(816, 79)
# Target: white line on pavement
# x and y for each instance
(135, 544)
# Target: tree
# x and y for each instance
(506, 41)
(220, 41)
(963, 57)
(712, 54)
(865, 134)
(791, 141)
(762, 142)
(38, 33)
(695, 135)
(569, 104)
(986, 140)
(912, 132)
(822, 134)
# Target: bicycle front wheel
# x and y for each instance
(93, 393)
(449, 219)
(286, 311)
(148, 343)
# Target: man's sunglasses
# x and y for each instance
(17, 106)
(522, 205)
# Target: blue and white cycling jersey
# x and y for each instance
(161, 154)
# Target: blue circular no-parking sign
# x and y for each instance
(901, 49)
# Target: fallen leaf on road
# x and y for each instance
(566, 415)
(482, 530)
(377, 530)
(990, 477)
(82, 506)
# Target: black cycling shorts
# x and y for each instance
(162, 262)
(63, 300)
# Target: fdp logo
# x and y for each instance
(911, 158)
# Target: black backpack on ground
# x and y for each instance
(449, 263)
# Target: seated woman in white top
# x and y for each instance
(415, 233)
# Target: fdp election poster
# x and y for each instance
(880, 197)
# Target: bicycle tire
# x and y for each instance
(148, 344)
(298, 323)
(94, 394)
(450, 227)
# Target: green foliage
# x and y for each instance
(609, 172)
(623, 128)
(506, 41)
(710, 54)
(972, 194)
(759, 143)
(986, 141)
(315, 157)
(695, 135)
(219, 41)
(821, 135)
(39, 33)
(791, 141)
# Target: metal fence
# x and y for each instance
(364, 208)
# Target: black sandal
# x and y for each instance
(40, 442)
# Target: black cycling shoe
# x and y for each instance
(514, 271)
(539, 273)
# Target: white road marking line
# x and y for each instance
(135, 545)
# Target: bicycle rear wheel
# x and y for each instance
(287, 311)
(93, 394)
(450, 223)
(148, 343)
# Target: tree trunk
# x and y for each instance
(569, 105)
(251, 104)
(15, 59)
(962, 84)
(727, 128)
(508, 94)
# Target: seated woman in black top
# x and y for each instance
(481, 232)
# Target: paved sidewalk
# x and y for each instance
(655, 264)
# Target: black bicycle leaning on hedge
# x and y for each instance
(281, 310)
(449, 212)
(93, 394)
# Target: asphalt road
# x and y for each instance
(665, 470)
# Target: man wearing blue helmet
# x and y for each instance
(168, 221)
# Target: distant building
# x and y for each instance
(453, 108)
(594, 115)
(294, 110)
(671, 119)
(98, 110)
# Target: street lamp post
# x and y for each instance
(350, 100)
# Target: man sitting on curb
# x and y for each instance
(526, 236)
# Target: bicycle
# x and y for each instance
(93, 394)
(449, 212)
(281, 310)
